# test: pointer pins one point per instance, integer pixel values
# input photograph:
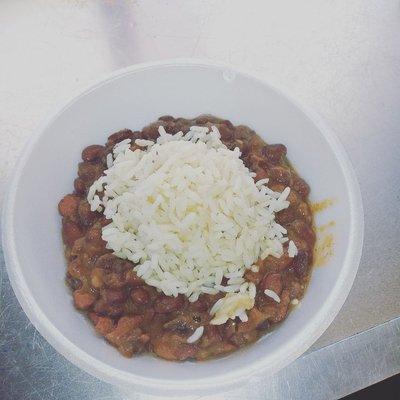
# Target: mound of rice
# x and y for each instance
(187, 211)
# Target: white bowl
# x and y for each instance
(132, 98)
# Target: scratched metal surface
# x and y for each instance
(342, 58)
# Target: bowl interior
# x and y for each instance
(132, 100)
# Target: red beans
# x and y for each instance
(112, 262)
(140, 296)
(167, 118)
(300, 186)
(127, 336)
(71, 232)
(278, 264)
(280, 175)
(86, 216)
(68, 206)
(172, 346)
(282, 307)
(94, 233)
(114, 296)
(102, 308)
(286, 216)
(165, 304)
(301, 265)
(79, 186)
(132, 279)
(274, 153)
(151, 132)
(304, 212)
(272, 282)
(226, 133)
(119, 136)
(260, 174)
(301, 229)
(93, 152)
(83, 300)
(89, 172)
(114, 280)
(104, 325)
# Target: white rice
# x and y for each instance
(273, 295)
(197, 334)
(292, 249)
(187, 211)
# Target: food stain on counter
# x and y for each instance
(323, 249)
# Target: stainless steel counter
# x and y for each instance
(341, 58)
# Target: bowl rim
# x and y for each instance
(294, 347)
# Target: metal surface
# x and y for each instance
(342, 58)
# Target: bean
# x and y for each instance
(172, 346)
(93, 152)
(227, 123)
(243, 338)
(102, 308)
(280, 175)
(278, 264)
(216, 349)
(293, 198)
(114, 296)
(68, 206)
(132, 279)
(167, 118)
(204, 118)
(212, 334)
(300, 186)
(226, 133)
(79, 186)
(114, 280)
(263, 326)
(244, 132)
(140, 296)
(76, 269)
(119, 136)
(304, 212)
(301, 265)
(260, 174)
(73, 283)
(165, 304)
(89, 172)
(272, 282)
(113, 263)
(300, 229)
(97, 278)
(83, 300)
(286, 216)
(86, 216)
(274, 153)
(242, 145)
(276, 187)
(255, 317)
(94, 234)
(104, 325)
(150, 132)
(282, 307)
(71, 232)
